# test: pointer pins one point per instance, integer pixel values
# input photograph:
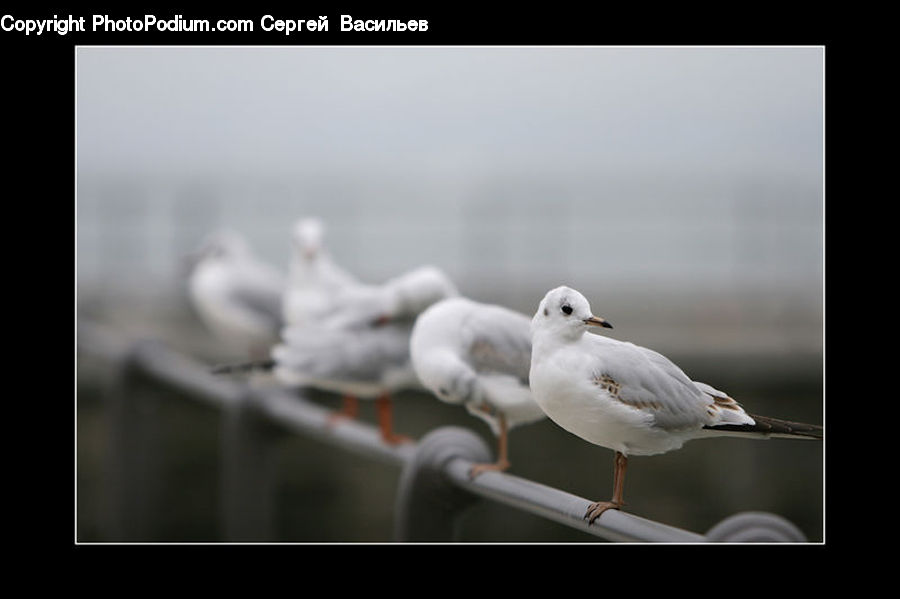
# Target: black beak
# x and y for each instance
(596, 321)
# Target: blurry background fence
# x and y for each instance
(644, 177)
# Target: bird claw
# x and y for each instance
(596, 509)
(381, 320)
(335, 418)
(487, 409)
(478, 469)
(349, 411)
(395, 439)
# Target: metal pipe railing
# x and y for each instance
(435, 488)
(566, 508)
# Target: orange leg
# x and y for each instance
(349, 410)
(502, 462)
(383, 407)
(595, 509)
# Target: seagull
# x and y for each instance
(313, 280)
(478, 355)
(361, 349)
(313, 277)
(402, 298)
(237, 296)
(360, 362)
(625, 397)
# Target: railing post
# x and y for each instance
(133, 464)
(755, 527)
(428, 504)
(248, 453)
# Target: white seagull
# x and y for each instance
(402, 298)
(237, 296)
(313, 277)
(361, 349)
(628, 398)
(478, 355)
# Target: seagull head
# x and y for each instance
(566, 313)
(306, 237)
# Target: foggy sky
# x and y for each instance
(272, 109)
(628, 172)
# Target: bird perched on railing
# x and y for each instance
(478, 355)
(236, 295)
(625, 397)
(361, 348)
(313, 276)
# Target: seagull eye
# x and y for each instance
(567, 309)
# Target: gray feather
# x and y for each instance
(774, 427)
(361, 355)
(644, 376)
(500, 342)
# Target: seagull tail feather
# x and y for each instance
(267, 364)
(772, 427)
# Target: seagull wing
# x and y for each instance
(498, 341)
(648, 381)
(351, 355)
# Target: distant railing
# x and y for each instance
(434, 487)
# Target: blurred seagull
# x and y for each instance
(625, 397)
(313, 277)
(237, 296)
(361, 349)
(478, 355)
(402, 298)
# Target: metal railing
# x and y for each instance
(434, 489)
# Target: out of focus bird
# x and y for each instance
(361, 348)
(236, 295)
(625, 397)
(313, 276)
(402, 298)
(478, 355)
